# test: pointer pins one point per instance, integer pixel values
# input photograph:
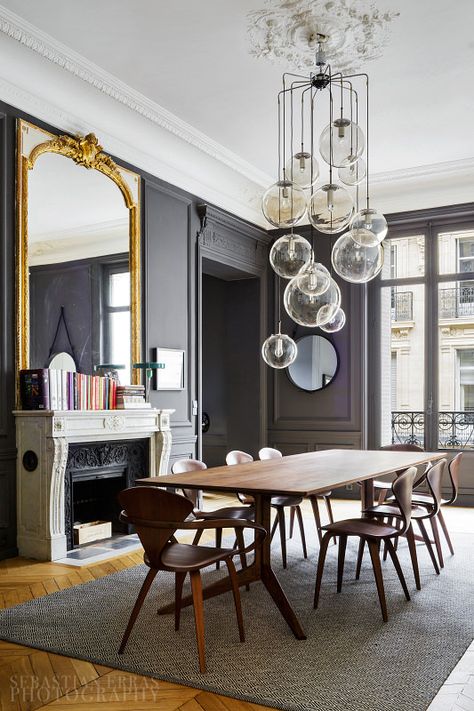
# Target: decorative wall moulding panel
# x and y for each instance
(295, 442)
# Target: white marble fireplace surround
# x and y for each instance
(40, 493)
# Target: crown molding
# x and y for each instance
(433, 170)
(59, 54)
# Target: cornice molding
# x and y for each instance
(59, 54)
(433, 170)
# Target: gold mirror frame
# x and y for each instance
(85, 151)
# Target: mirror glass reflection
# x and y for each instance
(316, 363)
(78, 262)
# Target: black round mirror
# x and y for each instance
(316, 364)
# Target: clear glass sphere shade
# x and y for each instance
(342, 140)
(284, 204)
(369, 227)
(353, 174)
(309, 310)
(289, 255)
(355, 263)
(336, 323)
(279, 351)
(302, 169)
(330, 209)
(314, 279)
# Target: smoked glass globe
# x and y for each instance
(303, 169)
(369, 227)
(336, 323)
(356, 263)
(309, 310)
(314, 279)
(284, 203)
(330, 209)
(344, 139)
(289, 255)
(279, 351)
(354, 173)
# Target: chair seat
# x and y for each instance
(419, 498)
(361, 527)
(247, 513)
(182, 557)
(286, 500)
(393, 510)
(379, 484)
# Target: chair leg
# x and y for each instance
(427, 541)
(385, 547)
(360, 555)
(396, 563)
(439, 550)
(292, 520)
(236, 594)
(301, 525)
(410, 536)
(382, 496)
(375, 557)
(137, 607)
(274, 528)
(178, 592)
(445, 531)
(327, 501)
(319, 574)
(218, 544)
(196, 587)
(282, 526)
(197, 537)
(340, 561)
(241, 545)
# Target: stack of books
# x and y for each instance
(50, 389)
(130, 397)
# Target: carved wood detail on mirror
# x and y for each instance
(78, 253)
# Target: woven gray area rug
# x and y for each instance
(350, 659)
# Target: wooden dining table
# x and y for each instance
(305, 475)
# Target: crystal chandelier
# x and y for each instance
(338, 201)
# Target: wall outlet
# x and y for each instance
(349, 487)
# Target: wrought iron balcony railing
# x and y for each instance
(402, 306)
(457, 302)
(455, 429)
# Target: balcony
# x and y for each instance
(456, 303)
(455, 429)
(402, 306)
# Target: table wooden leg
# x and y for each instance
(367, 493)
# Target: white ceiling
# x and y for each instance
(192, 58)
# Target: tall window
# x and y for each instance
(423, 337)
(116, 318)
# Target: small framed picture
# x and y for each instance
(171, 377)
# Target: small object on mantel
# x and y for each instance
(92, 531)
(148, 367)
(109, 370)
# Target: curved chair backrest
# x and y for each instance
(236, 456)
(181, 466)
(145, 505)
(454, 467)
(402, 489)
(269, 453)
(434, 479)
(406, 447)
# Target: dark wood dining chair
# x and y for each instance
(271, 453)
(372, 532)
(419, 514)
(279, 503)
(384, 487)
(228, 513)
(157, 515)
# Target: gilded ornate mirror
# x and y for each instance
(78, 254)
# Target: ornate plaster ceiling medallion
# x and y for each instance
(354, 32)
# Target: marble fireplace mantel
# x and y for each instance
(44, 437)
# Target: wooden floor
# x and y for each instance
(31, 679)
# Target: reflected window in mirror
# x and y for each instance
(116, 318)
(316, 364)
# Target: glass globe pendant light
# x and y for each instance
(289, 255)
(279, 350)
(311, 310)
(353, 174)
(330, 209)
(303, 169)
(354, 262)
(369, 227)
(284, 203)
(341, 143)
(336, 323)
(314, 279)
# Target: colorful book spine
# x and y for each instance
(52, 389)
(34, 389)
